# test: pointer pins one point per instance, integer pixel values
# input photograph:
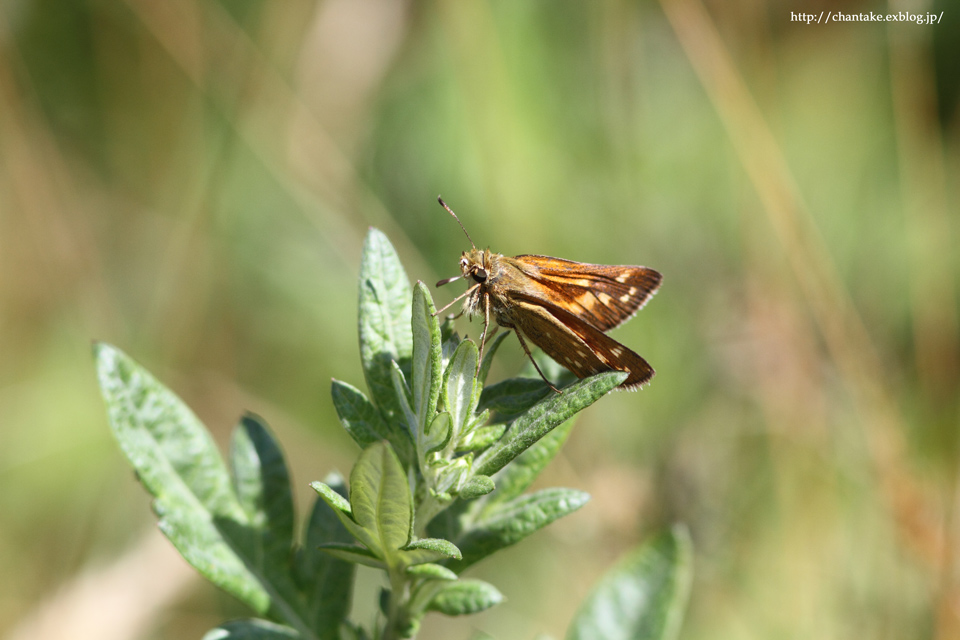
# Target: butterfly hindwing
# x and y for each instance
(576, 344)
(556, 340)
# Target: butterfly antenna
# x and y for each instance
(444, 205)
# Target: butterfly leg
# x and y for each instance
(526, 350)
(486, 325)
(459, 297)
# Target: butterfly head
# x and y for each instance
(472, 266)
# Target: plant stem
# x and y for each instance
(426, 511)
(398, 584)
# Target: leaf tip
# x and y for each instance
(477, 486)
(250, 416)
(100, 348)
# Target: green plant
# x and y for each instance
(439, 485)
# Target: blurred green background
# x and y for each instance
(191, 180)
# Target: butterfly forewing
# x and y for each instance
(606, 296)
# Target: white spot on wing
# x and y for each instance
(623, 277)
(617, 351)
(604, 297)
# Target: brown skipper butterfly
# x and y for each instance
(561, 306)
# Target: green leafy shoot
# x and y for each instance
(438, 485)
(235, 528)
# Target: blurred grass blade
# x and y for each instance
(512, 521)
(326, 582)
(251, 630)
(644, 597)
(543, 417)
(385, 307)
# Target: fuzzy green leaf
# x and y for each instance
(559, 375)
(326, 582)
(385, 336)
(178, 463)
(380, 498)
(514, 479)
(430, 550)
(427, 357)
(439, 433)
(343, 511)
(509, 522)
(448, 333)
(333, 498)
(251, 630)
(543, 417)
(491, 349)
(477, 486)
(510, 398)
(431, 571)
(459, 389)
(481, 437)
(358, 415)
(353, 553)
(234, 542)
(349, 631)
(465, 597)
(644, 597)
(262, 484)
(402, 395)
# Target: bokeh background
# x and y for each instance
(191, 180)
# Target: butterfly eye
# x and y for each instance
(480, 275)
